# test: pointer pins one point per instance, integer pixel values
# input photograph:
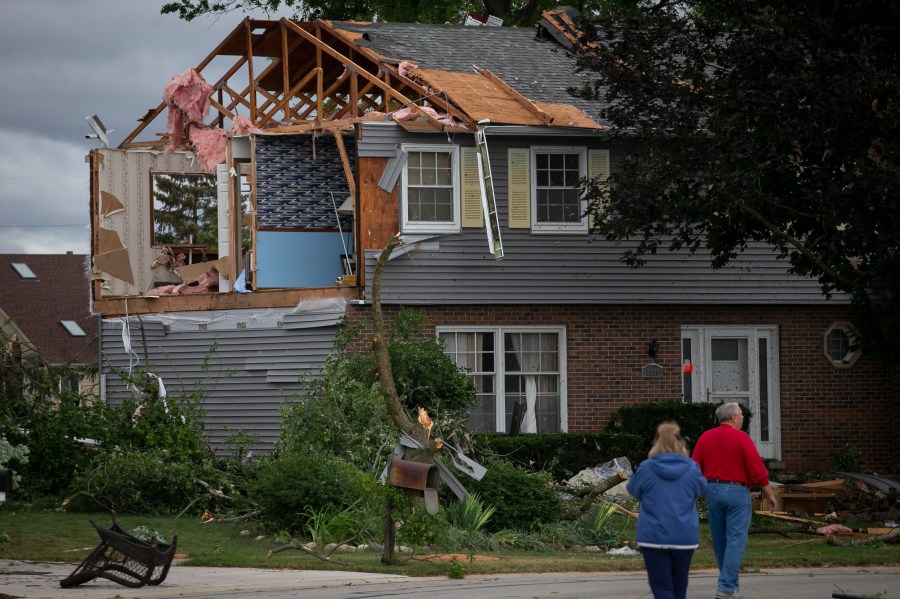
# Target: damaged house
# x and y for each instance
(242, 219)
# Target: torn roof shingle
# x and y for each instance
(539, 69)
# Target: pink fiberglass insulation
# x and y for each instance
(404, 68)
(410, 114)
(188, 98)
(210, 146)
(201, 284)
(242, 125)
(210, 143)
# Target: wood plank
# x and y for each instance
(783, 516)
(345, 160)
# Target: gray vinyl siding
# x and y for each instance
(252, 368)
(558, 269)
(567, 268)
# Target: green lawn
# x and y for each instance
(46, 535)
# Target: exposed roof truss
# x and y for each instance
(291, 76)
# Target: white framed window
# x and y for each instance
(513, 366)
(429, 194)
(840, 345)
(556, 202)
(69, 383)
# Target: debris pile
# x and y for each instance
(820, 505)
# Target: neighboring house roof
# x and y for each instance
(41, 307)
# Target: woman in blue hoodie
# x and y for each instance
(668, 527)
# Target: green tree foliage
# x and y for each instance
(185, 210)
(344, 413)
(77, 445)
(513, 12)
(48, 418)
(760, 120)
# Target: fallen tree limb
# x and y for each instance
(589, 495)
(240, 518)
(783, 533)
(303, 548)
(892, 537)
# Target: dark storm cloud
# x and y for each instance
(60, 61)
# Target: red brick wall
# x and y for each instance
(823, 409)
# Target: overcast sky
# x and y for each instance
(60, 61)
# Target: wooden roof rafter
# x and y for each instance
(316, 73)
(385, 87)
(390, 70)
(151, 116)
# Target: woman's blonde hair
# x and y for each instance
(668, 440)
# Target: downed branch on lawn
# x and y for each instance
(892, 537)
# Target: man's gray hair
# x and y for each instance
(727, 411)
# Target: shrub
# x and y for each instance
(597, 523)
(289, 488)
(127, 481)
(642, 420)
(459, 539)
(417, 527)
(10, 453)
(523, 499)
(424, 375)
(517, 540)
(336, 525)
(562, 454)
(343, 417)
(559, 535)
(470, 514)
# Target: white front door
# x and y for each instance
(735, 363)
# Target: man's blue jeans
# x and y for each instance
(729, 512)
(667, 571)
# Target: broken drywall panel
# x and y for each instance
(127, 175)
(112, 257)
(109, 204)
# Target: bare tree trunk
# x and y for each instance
(382, 358)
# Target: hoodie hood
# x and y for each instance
(669, 466)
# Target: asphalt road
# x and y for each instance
(41, 580)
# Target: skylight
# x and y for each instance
(73, 328)
(23, 270)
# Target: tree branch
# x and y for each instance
(798, 245)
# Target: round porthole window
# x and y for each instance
(841, 344)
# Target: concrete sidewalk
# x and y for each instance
(41, 580)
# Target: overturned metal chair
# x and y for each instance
(124, 559)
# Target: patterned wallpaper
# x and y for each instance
(296, 176)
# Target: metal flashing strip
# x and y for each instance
(220, 320)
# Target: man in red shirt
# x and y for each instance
(731, 464)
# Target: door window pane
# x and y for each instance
(763, 416)
(730, 370)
